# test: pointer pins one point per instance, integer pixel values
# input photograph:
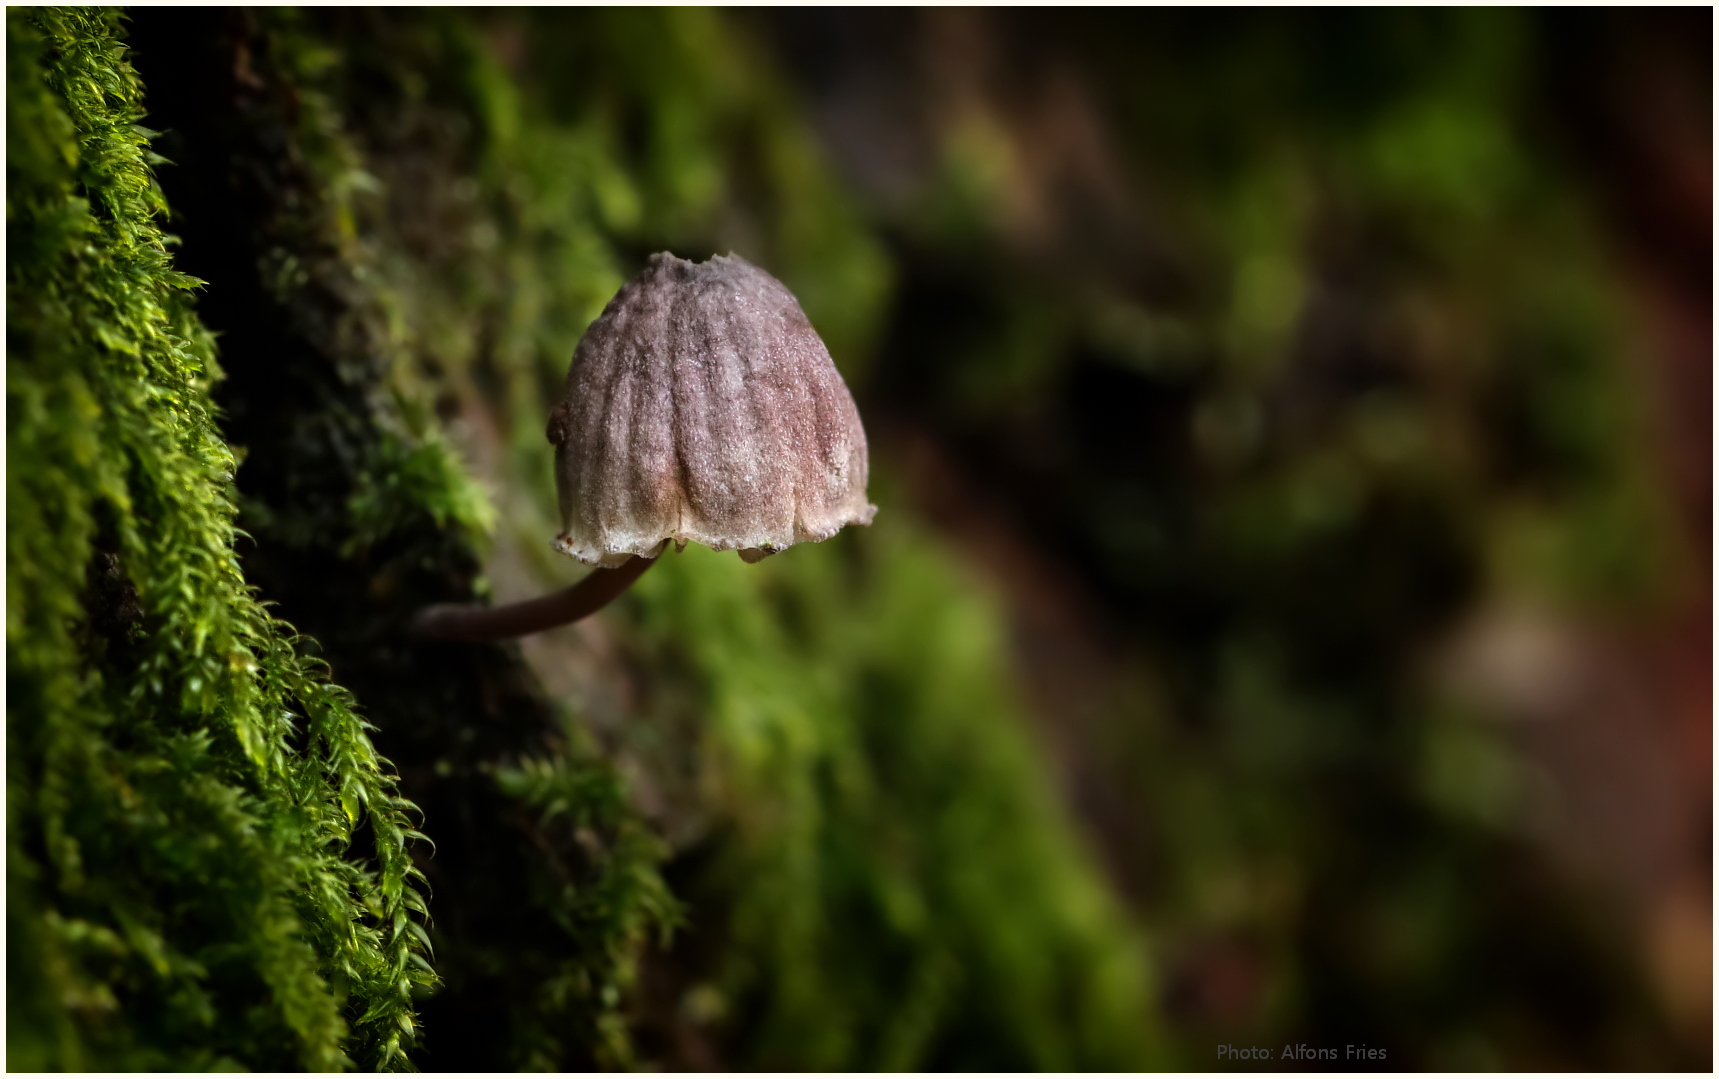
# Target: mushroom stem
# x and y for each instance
(470, 622)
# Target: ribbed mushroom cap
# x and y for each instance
(702, 406)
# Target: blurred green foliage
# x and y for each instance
(183, 787)
(1352, 377)
(1360, 377)
(904, 890)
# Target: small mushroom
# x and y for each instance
(700, 407)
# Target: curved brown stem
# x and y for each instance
(470, 622)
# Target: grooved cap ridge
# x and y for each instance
(701, 406)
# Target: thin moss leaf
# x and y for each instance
(177, 846)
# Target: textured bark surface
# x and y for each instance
(703, 407)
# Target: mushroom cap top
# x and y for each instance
(702, 406)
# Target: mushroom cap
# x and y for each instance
(702, 406)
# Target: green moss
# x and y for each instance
(608, 916)
(184, 787)
(884, 877)
(876, 869)
(570, 888)
(905, 892)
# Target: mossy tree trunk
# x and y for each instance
(402, 222)
(349, 549)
